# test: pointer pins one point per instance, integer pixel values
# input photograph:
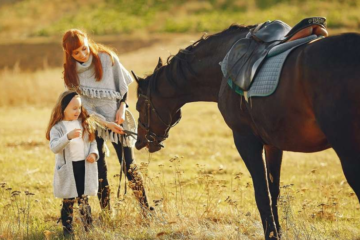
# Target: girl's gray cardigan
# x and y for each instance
(64, 180)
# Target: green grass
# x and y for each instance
(29, 18)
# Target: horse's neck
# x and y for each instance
(197, 79)
(205, 84)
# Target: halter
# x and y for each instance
(151, 136)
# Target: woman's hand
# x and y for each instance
(74, 134)
(120, 113)
(91, 158)
(115, 127)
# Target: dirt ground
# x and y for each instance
(43, 53)
(38, 54)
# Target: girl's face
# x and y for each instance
(82, 53)
(73, 109)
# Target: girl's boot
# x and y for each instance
(67, 217)
(85, 211)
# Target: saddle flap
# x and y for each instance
(241, 59)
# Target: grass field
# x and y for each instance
(198, 184)
(201, 187)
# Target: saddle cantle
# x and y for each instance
(247, 54)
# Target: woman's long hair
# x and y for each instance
(57, 115)
(73, 39)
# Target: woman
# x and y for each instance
(95, 72)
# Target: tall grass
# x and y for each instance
(39, 88)
(192, 200)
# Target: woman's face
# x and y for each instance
(82, 53)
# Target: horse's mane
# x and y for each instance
(181, 57)
(204, 37)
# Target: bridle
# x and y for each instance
(150, 135)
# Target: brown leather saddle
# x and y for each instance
(247, 54)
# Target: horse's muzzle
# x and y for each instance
(140, 144)
(154, 147)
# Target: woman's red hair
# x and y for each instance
(73, 39)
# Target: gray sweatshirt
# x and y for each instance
(64, 180)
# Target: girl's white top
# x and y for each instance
(102, 98)
(76, 145)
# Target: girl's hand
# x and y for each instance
(74, 133)
(120, 113)
(115, 127)
(91, 158)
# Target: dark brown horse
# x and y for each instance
(316, 106)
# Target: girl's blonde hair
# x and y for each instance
(58, 114)
(73, 39)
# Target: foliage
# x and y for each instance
(45, 18)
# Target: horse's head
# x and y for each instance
(156, 113)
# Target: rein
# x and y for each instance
(122, 165)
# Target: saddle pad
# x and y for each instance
(267, 78)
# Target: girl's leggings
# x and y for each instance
(68, 203)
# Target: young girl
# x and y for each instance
(96, 73)
(72, 139)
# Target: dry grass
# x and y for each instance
(200, 187)
(22, 88)
(198, 184)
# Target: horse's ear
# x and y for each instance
(137, 79)
(159, 65)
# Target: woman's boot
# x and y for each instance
(85, 211)
(136, 184)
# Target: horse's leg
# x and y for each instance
(273, 158)
(350, 161)
(250, 149)
(347, 146)
(342, 130)
(351, 168)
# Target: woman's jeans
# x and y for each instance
(133, 176)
